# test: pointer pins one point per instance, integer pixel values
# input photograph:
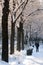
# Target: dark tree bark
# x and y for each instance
(5, 31)
(22, 35)
(12, 31)
(12, 38)
(30, 36)
(23, 40)
(13, 34)
(18, 39)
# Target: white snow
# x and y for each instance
(3, 63)
(20, 58)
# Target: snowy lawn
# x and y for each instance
(20, 58)
(3, 63)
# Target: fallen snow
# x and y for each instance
(20, 58)
(3, 63)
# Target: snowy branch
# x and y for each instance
(18, 7)
(21, 11)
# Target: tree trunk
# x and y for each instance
(22, 39)
(18, 39)
(12, 38)
(12, 30)
(22, 35)
(5, 31)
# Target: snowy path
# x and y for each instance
(22, 59)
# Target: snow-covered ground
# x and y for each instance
(20, 58)
(3, 63)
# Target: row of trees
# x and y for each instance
(20, 30)
(5, 28)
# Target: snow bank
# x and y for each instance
(3, 63)
(20, 58)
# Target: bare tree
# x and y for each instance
(12, 31)
(5, 31)
(20, 32)
(13, 26)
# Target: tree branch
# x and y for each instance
(34, 11)
(24, 5)
(21, 11)
(17, 17)
(18, 7)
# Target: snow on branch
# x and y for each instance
(21, 11)
(18, 7)
(17, 17)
